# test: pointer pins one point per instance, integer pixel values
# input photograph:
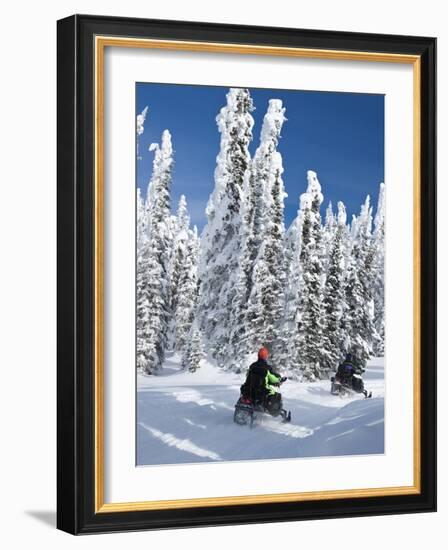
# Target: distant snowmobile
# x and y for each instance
(348, 380)
(247, 409)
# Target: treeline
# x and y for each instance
(310, 294)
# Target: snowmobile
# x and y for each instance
(247, 409)
(347, 386)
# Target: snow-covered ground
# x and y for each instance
(185, 417)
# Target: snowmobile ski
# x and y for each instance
(348, 388)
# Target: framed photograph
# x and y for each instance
(246, 274)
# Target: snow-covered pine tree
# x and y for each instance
(255, 311)
(142, 221)
(330, 219)
(153, 292)
(293, 238)
(358, 319)
(334, 336)
(308, 345)
(287, 332)
(266, 170)
(221, 239)
(193, 352)
(238, 334)
(352, 237)
(187, 294)
(268, 274)
(142, 305)
(140, 127)
(378, 278)
(328, 233)
(159, 190)
(181, 224)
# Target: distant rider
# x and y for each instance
(345, 373)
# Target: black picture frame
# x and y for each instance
(76, 511)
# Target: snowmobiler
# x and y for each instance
(348, 379)
(259, 392)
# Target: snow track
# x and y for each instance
(187, 417)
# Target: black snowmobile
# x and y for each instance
(247, 408)
(347, 385)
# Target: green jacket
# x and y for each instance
(271, 379)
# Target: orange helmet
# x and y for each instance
(263, 353)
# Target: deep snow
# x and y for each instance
(185, 417)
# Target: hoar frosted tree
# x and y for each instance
(187, 294)
(140, 127)
(268, 275)
(153, 265)
(193, 352)
(179, 261)
(308, 350)
(328, 233)
(334, 306)
(286, 335)
(220, 250)
(378, 275)
(359, 315)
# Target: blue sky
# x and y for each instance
(338, 135)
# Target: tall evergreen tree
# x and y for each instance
(285, 353)
(153, 292)
(308, 345)
(359, 289)
(142, 221)
(140, 127)
(239, 334)
(378, 277)
(328, 234)
(221, 237)
(260, 304)
(181, 224)
(193, 352)
(334, 307)
(142, 304)
(187, 294)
